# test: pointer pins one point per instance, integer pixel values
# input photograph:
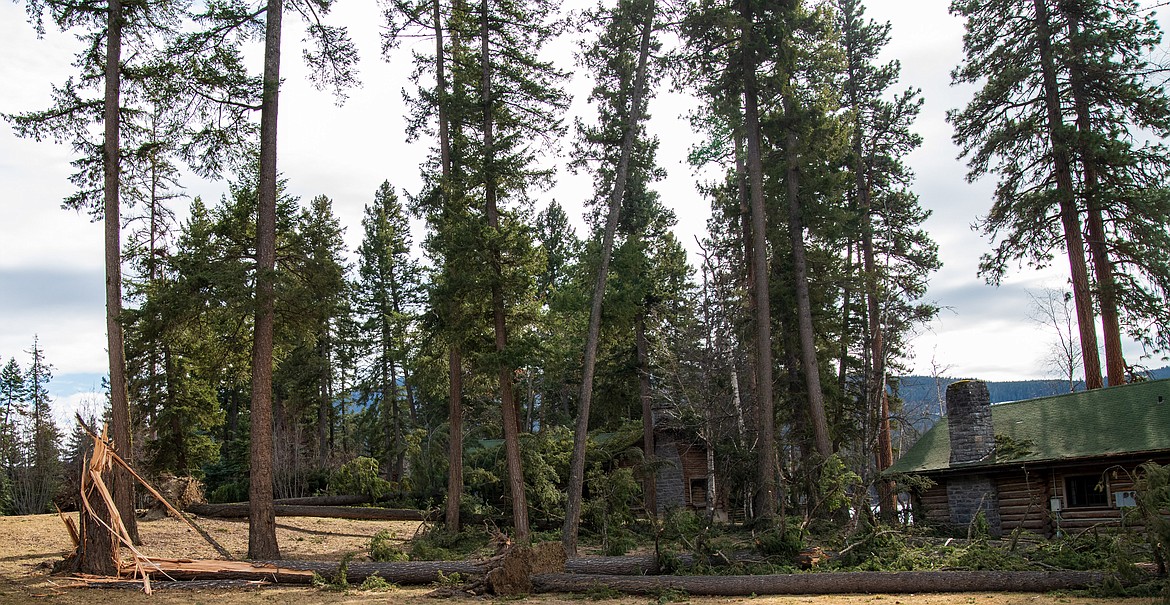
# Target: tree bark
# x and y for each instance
(261, 516)
(581, 431)
(120, 484)
(454, 357)
(1069, 214)
(808, 345)
(455, 441)
(650, 481)
(507, 396)
(1098, 252)
(765, 500)
(875, 379)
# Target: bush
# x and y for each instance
(236, 491)
(383, 549)
(438, 544)
(784, 539)
(376, 583)
(360, 477)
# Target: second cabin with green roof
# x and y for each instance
(1048, 465)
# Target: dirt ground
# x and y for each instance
(30, 544)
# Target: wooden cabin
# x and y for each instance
(1050, 465)
(682, 479)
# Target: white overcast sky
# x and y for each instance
(51, 279)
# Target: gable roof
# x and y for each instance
(1126, 419)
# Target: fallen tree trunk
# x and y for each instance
(301, 572)
(187, 569)
(827, 583)
(636, 565)
(240, 510)
(321, 500)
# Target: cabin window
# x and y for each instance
(1082, 491)
(699, 492)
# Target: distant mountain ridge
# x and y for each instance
(921, 395)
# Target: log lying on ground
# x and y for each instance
(321, 501)
(301, 572)
(187, 569)
(239, 510)
(827, 583)
(401, 572)
(635, 565)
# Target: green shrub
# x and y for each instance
(236, 491)
(376, 583)
(360, 477)
(783, 539)
(438, 544)
(382, 548)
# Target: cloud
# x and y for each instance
(89, 404)
(61, 307)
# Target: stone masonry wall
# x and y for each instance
(969, 421)
(670, 489)
(968, 495)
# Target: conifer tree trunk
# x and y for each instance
(499, 321)
(261, 513)
(650, 482)
(765, 500)
(877, 402)
(808, 345)
(120, 483)
(581, 433)
(1069, 214)
(454, 356)
(1098, 253)
(455, 443)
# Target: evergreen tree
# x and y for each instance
(620, 91)
(38, 468)
(385, 290)
(897, 256)
(1015, 126)
(13, 393)
(1121, 181)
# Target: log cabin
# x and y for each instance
(1049, 466)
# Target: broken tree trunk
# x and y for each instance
(826, 583)
(239, 510)
(301, 572)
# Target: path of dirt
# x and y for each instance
(30, 544)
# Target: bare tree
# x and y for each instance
(1052, 308)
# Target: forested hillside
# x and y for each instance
(474, 359)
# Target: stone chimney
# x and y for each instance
(972, 440)
(969, 421)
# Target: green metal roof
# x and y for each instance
(1126, 419)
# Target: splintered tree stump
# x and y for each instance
(826, 583)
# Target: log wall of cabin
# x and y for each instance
(1025, 493)
(1025, 498)
(935, 505)
(1024, 501)
(694, 466)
